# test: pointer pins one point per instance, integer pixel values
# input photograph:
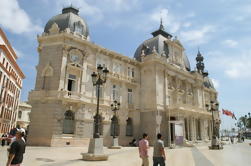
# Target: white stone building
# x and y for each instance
(155, 89)
(11, 78)
(23, 117)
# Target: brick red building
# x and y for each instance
(10, 84)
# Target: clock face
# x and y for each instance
(74, 58)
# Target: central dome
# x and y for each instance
(158, 44)
(69, 19)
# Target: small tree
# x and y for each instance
(248, 125)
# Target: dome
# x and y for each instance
(208, 83)
(186, 63)
(157, 42)
(69, 19)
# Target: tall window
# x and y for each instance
(130, 72)
(129, 127)
(71, 83)
(78, 27)
(47, 75)
(19, 114)
(129, 96)
(117, 68)
(68, 126)
(115, 92)
(100, 61)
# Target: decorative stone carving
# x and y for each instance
(142, 53)
(54, 29)
(154, 50)
(48, 70)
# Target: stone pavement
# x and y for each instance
(231, 155)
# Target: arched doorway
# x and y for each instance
(129, 127)
(114, 127)
(69, 121)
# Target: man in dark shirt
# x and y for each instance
(159, 155)
(16, 151)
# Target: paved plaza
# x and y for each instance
(231, 155)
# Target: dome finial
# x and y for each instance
(70, 9)
(161, 27)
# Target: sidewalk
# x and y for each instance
(231, 155)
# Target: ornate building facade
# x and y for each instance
(23, 118)
(11, 77)
(157, 90)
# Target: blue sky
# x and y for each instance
(220, 28)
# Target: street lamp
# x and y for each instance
(98, 79)
(95, 149)
(115, 106)
(214, 108)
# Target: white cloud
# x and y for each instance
(239, 67)
(120, 5)
(85, 8)
(18, 53)
(97, 9)
(15, 18)
(169, 20)
(234, 67)
(198, 36)
(187, 24)
(150, 21)
(215, 82)
(230, 43)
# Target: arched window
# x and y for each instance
(69, 119)
(166, 50)
(115, 126)
(47, 75)
(129, 127)
(78, 27)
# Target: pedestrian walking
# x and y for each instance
(143, 150)
(4, 137)
(159, 155)
(232, 139)
(16, 151)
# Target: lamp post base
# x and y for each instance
(95, 151)
(216, 147)
(115, 144)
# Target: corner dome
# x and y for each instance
(158, 43)
(69, 19)
(208, 83)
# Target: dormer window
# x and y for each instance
(78, 27)
(166, 50)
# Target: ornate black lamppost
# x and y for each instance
(95, 149)
(98, 79)
(115, 106)
(214, 108)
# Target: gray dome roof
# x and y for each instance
(161, 47)
(186, 63)
(69, 19)
(148, 45)
(208, 83)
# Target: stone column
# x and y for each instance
(189, 128)
(79, 121)
(168, 130)
(194, 130)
